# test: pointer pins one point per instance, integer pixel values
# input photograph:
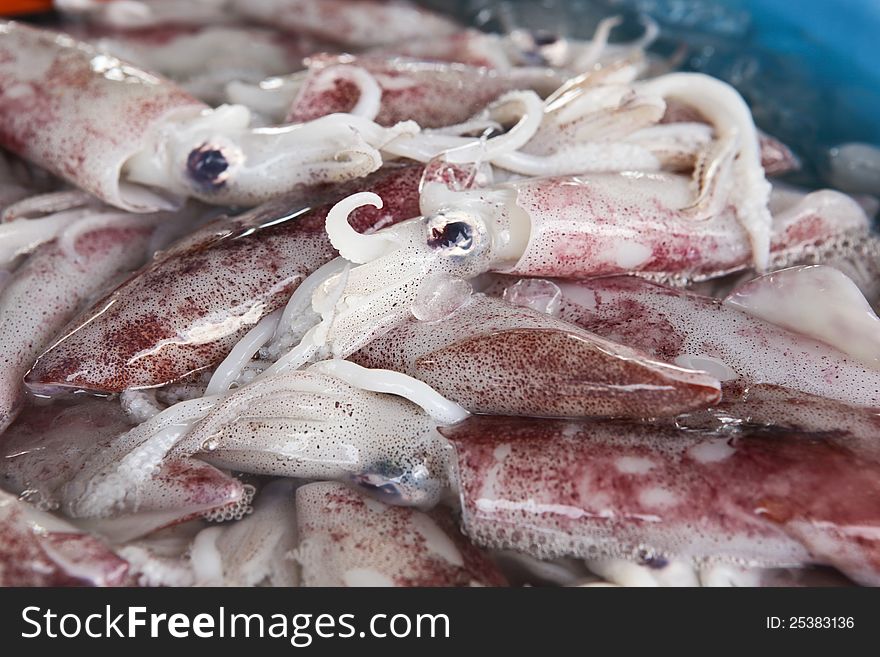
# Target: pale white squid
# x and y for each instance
(568, 227)
(140, 143)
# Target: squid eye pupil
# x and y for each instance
(206, 165)
(542, 38)
(455, 234)
(382, 481)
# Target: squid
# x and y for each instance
(44, 293)
(140, 143)
(389, 91)
(140, 14)
(335, 421)
(638, 492)
(18, 180)
(206, 60)
(493, 357)
(351, 540)
(256, 550)
(163, 557)
(685, 328)
(567, 227)
(524, 48)
(43, 451)
(689, 125)
(817, 301)
(659, 572)
(631, 126)
(198, 298)
(39, 549)
(465, 46)
(607, 109)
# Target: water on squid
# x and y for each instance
(493, 357)
(50, 444)
(568, 227)
(185, 311)
(351, 540)
(639, 492)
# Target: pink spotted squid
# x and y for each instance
(302, 293)
(141, 143)
(568, 227)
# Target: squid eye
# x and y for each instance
(397, 485)
(543, 38)
(457, 234)
(455, 237)
(381, 484)
(208, 166)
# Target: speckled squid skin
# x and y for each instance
(307, 425)
(671, 324)
(356, 23)
(186, 310)
(493, 357)
(80, 113)
(627, 222)
(45, 292)
(37, 549)
(350, 540)
(432, 94)
(587, 489)
(49, 444)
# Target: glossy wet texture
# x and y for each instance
(529, 308)
(186, 310)
(348, 540)
(492, 357)
(554, 488)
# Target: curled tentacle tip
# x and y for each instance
(352, 245)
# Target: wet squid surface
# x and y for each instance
(345, 293)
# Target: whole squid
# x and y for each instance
(186, 309)
(569, 227)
